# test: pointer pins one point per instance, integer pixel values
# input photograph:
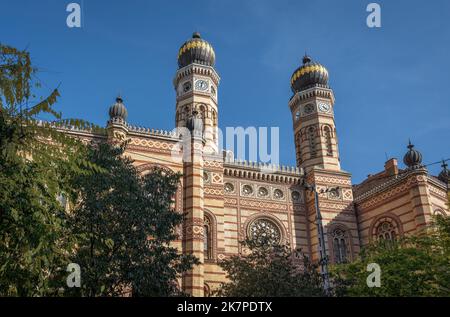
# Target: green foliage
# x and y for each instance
(270, 270)
(37, 164)
(412, 266)
(123, 225)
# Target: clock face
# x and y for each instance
(201, 85)
(324, 107)
(309, 108)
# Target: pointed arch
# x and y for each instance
(340, 243)
(311, 131)
(209, 236)
(328, 143)
(386, 227)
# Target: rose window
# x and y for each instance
(247, 190)
(386, 231)
(229, 188)
(264, 231)
(263, 191)
(278, 194)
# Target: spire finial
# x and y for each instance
(119, 97)
(410, 145)
(196, 35)
(306, 59)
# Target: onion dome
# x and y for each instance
(195, 124)
(118, 110)
(308, 75)
(444, 175)
(412, 158)
(196, 50)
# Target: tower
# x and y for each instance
(196, 84)
(312, 108)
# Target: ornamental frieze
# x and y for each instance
(384, 192)
(230, 201)
(154, 144)
(217, 178)
(382, 197)
(298, 208)
(193, 228)
(262, 205)
(437, 191)
(332, 180)
(213, 164)
(347, 194)
(194, 232)
(211, 191)
(335, 206)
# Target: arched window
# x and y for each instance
(386, 227)
(439, 212)
(339, 246)
(386, 231)
(206, 290)
(202, 113)
(207, 239)
(214, 120)
(312, 141)
(263, 230)
(328, 144)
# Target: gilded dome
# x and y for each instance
(118, 110)
(196, 50)
(412, 158)
(308, 75)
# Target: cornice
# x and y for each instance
(390, 183)
(196, 69)
(312, 92)
(263, 172)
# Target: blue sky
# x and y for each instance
(390, 83)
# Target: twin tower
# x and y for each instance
(211, 189)
(196, 84)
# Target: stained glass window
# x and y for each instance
(264, 230)
(386, 231)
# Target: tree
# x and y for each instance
(36, 164)
(268, 269)
(123, 224)
(413, 266)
